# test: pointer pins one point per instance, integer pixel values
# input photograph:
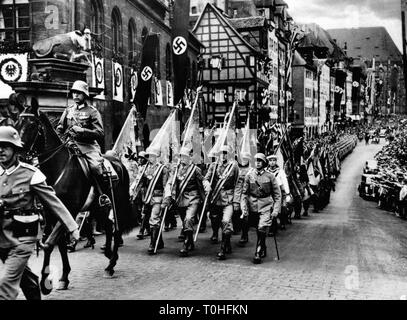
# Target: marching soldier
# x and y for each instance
(22, 186)
(261, 199)
(188, 192)
(221, 200)
(142, 161)
(154, 180)
(281, 177)
(83, 123)
(244, 168)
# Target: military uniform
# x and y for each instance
(237, 198)
(221, 201)
(261, 198)
(281, 177)
(188, 192)
(154, 180)
(21, 186)
(89, 119)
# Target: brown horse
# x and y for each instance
(61, 165)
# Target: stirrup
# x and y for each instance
(104, 201)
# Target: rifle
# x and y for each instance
(174, 178)
(206, 201)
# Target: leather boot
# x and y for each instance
(222, 253)
(228, 246)
(90, 243)
(140, 235)
(181, 236)
(160, 242)
(215, 230)
(260, 247)
(188, 244)
(154, 236)
(245, 234)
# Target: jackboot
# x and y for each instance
(245, 234)
(188, 244)
(215, 230)
(143, 227)
(260, 247)
(228, 246)
(181, 236)
(222, 253)
(154, 236)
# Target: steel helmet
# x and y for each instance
(185, 152)
(81, 86)
(10, 135)
(261, 157)
(154, 152)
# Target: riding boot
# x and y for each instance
(215, 230)
(260, 247)
(188, 244)
(245, 234)
(160, 243)
(181, 236)
(222, 253)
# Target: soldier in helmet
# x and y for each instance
(83, 123)
(188, 193)
(281, 177)
(154, 180)
(244, 168)
(221, 200)
(261, 199)
(23, 187)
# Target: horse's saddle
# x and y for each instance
(107, 167)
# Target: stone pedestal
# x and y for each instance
(50, 81)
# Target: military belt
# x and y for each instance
(20, 212)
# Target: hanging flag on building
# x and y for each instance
(170, 94)
(126, 145)
(117, 77)
(133, 83)
(98, 74)
(13, 68)
(158, 93)
(146, 72)
(180, 38)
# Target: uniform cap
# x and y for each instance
(10, 135)
(81, 86)
(261, 156)
(272, 157)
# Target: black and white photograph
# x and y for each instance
(215, 152)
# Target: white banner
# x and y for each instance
(159, 101)
(117, 75)
(133, 83)
(170, 94)
(98, 75)
(13, 68)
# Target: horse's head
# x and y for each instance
(31, 129)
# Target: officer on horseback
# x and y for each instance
(83, 123)
(22, 187)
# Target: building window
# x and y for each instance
(132, 41)
(194, 10)
(15, 21)
(96, 17)
(240, 94)
(220, 95)
(144, 35)
(117, 31)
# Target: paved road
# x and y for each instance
(350, 250)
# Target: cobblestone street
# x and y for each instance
(350, 250)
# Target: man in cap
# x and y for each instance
(83, 123)
(154, 180)
(281, 177)
(221, 200)
(261, 199)
(188, 193)
(244, 167)
(22, 187)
